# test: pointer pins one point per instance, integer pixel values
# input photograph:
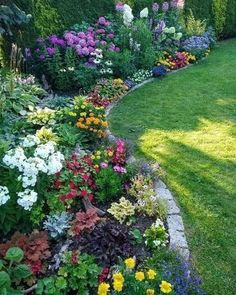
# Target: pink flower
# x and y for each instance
(82, 35)
(102, 21)
(120, 6)
(104, 165)
(111, 36)
(101, 31)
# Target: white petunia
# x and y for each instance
(27, 199)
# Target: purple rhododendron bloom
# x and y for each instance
(111, 35)
(165, 6)
(51, 51)
(155, 7)
(103, 43)
(102, 21)
(120, 6)
(91, 49)
(82, 43)
(100, 31)
(82, 35)
(85, 51)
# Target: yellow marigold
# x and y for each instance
(96, 121)
(104, 124)
(165, 287)
(81, 119)
(129, 262)
(118, 277)
(150, 292)
(103, 289)
(151, 274)
(139, 276)
(118, 286)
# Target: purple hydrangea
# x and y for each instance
(196, 43)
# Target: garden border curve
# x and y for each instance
(175, 223)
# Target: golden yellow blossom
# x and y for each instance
(129, 262)
(103, 289)
(139, 276)
(165, 287)
(151, 274)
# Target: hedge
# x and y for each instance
(221, 14)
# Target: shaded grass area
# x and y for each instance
(187, 122)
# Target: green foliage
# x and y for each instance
(230, 24)
(13, 272)
(195, 27)
(109, 185)
(11, 15)
(51, 285)
(219, 12)
(137, 236)
(123, 65)
(80, 271)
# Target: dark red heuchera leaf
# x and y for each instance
(35, 247)
(103, 275)
(83, 221)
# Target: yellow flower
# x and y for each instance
(104, 124)
(83, 114)
(110, 154)
(130, 262)
(117, 285)
(98, 153)
(103, 289)
(150, 292)
(151, 274)
(139, 276)
(118, 277)
(165, 287)
(72, 114)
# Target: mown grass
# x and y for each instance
(187, 122)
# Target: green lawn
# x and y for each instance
(187, 122)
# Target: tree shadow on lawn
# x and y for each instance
(206, 190)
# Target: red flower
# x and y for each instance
(36, 267)
(83, 194)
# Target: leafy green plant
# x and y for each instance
(109, 185)
(53, 285)
(80, 271)
(156, 235)
(137, 236)
(13, 272)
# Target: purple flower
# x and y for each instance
(90, 29)
(160, 27)
(82, 35)
(37, 50)
(102, 21)
(82, 43)
(51, 51)
(104, 165)
(165, 6)
(42, 57)
(155, 7)
(119, 169)
(100, 31)
(40, 40)
(117, 49)
(85, 51)
(111, 35)
(91, 49)
(120, 6)
(174, 3)
(103, 43)
(91, 42)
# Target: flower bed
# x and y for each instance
(76, 216)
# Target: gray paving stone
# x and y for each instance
(177, 240)
(172, 207)
(159, 184)
(175, 223)
(164, 193)
(184, 252)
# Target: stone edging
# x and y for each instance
(174, 220)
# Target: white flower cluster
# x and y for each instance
(98, 56)
(4, 195)
(127, 15)
(27, 199)
(45, 159)
(107, 68)
(144, 13)
(70, 69)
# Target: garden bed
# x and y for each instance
(77, 216)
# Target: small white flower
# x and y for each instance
(27, 198)
(4, 195)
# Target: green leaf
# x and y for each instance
(21, 271)
(5, 280)
(1, 264)
(61, 283)
(14, 254)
